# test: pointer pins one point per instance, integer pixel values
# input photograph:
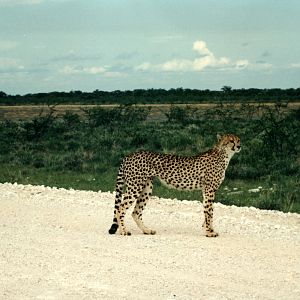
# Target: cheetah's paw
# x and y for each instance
(149, 231)
(212, 234)
(125, 232)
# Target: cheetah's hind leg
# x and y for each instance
(133, 192)
(140, 205)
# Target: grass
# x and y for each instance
(272, 196)
(62, 179)
(85, 152)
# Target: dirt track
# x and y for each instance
(54, 245)
(23, 112)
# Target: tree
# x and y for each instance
(2, 94)
(226, 88)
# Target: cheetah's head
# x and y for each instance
(230, 142)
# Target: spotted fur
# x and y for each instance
(205, 172)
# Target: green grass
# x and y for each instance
(279, 196)
(61, 179)
(85, 153)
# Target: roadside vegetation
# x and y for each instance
(84, 152)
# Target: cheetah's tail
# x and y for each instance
(119, 189)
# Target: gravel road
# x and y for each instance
(55, 245)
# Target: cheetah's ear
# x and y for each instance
(219, 136)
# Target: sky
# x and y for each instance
(64, 45)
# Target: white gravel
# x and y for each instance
(55, 245)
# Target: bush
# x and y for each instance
(119, 115)
(102, 117)
(97, 143)
(71, 120)
(36, 128)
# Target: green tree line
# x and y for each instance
(155, 96)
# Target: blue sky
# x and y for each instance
(63, 45)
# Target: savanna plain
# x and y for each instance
(54, 219)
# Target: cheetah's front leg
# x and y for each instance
(208, 198)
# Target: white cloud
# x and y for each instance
(143, 67)
(264, 66)
(26, 2)
(176, 65)
(10, 64)
(113, 74)
(19, 2)
(206, 59)
(104, 71)
(94, 70)
(256, 66)
(69, 70)
(80, 70)
(294, 65)
(7, 45)
(200, 46)
(166, 38)
(242, 64)
(210, 61)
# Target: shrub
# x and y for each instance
(97, 144)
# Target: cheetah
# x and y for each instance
(205, 171)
